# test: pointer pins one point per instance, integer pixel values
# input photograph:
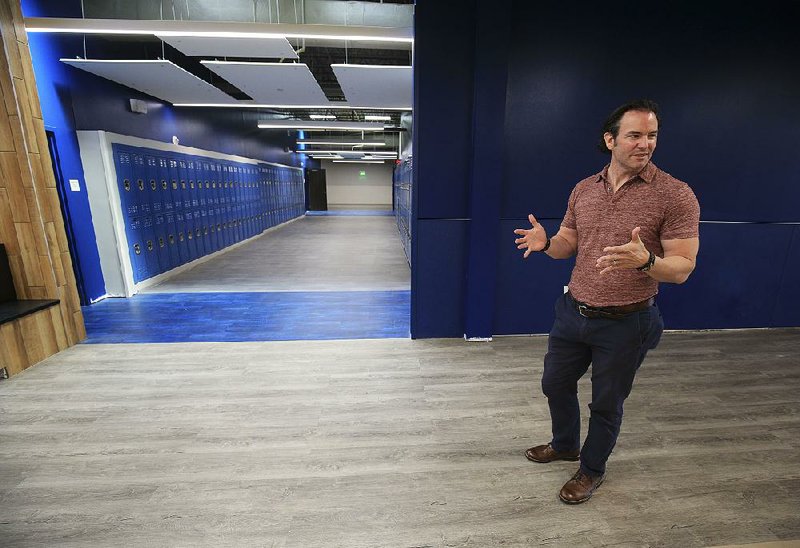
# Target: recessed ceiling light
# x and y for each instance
(322, 117)
(377, 117)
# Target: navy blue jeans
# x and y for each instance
(615, 349)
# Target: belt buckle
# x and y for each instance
(582, 308)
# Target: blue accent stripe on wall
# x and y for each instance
(242, 317)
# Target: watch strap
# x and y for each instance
(649, 264)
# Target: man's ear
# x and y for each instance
(609, 139)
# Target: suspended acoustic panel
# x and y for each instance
(216, 46)
(375, 85)
(272, 83)
(161, 79)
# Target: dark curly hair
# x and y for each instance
(611, 124)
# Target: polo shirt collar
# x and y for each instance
(647, 174)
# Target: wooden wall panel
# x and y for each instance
(12, 349)
(31, 225)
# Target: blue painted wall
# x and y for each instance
(725, 76)
(76, 100)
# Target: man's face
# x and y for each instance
(635, 143)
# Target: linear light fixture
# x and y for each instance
(357, 161)
(331, 106)
(68, 25)
(377, 117)
(374, 153)
(342, 143)
(322, 116)
(331, 126)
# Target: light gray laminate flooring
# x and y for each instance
(392, 442)
(337, 253)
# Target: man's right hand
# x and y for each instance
(533, 239)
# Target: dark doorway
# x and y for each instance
(62, 198)
(317, 190)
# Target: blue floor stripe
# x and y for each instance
(351, 213)
(240, 317)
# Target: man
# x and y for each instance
(631, 226)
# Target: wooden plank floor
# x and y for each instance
(392, 442)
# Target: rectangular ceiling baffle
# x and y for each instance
(203, 46)
(375, 85)
(272, 83)
(161, 79)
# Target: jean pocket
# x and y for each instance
(651, 326)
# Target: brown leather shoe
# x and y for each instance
(545, 453)
(580, 488)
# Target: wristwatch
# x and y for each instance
(649, 264)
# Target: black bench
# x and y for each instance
(12, 308)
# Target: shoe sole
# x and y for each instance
(565, 501)
(570, 459)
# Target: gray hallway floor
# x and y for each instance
(392, 443)
(337, 253)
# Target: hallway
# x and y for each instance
(319, 277)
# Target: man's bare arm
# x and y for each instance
(562, 246)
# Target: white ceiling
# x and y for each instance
(375, 85)
(272, 83)
(262, 48)
(161, 79)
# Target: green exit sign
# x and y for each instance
(362, 173)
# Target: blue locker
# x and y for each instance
(281, 195)
(173, 176)
(202, 193)
(233, 171)
(205, 200)
(188, 212)
(262, 189)
(271, 200)
(196, 189)
(216, 183)
(168, 208)
(139, 172)
(226, 205)
(248, 203)
(161, 242)
(211, 216)
(130, 206)
(154, 195)
(242, 201)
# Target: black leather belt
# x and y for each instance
(609, 312)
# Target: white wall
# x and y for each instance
(347, 188)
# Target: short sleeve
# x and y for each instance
(682, 219)
(569, 216)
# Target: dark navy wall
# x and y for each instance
(726, 80)
(76, 100)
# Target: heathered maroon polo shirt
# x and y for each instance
(665, 209)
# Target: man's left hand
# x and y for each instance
(629, 256)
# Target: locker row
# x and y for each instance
(402, 199)
(178, 208)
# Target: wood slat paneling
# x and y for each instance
(31, 226)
